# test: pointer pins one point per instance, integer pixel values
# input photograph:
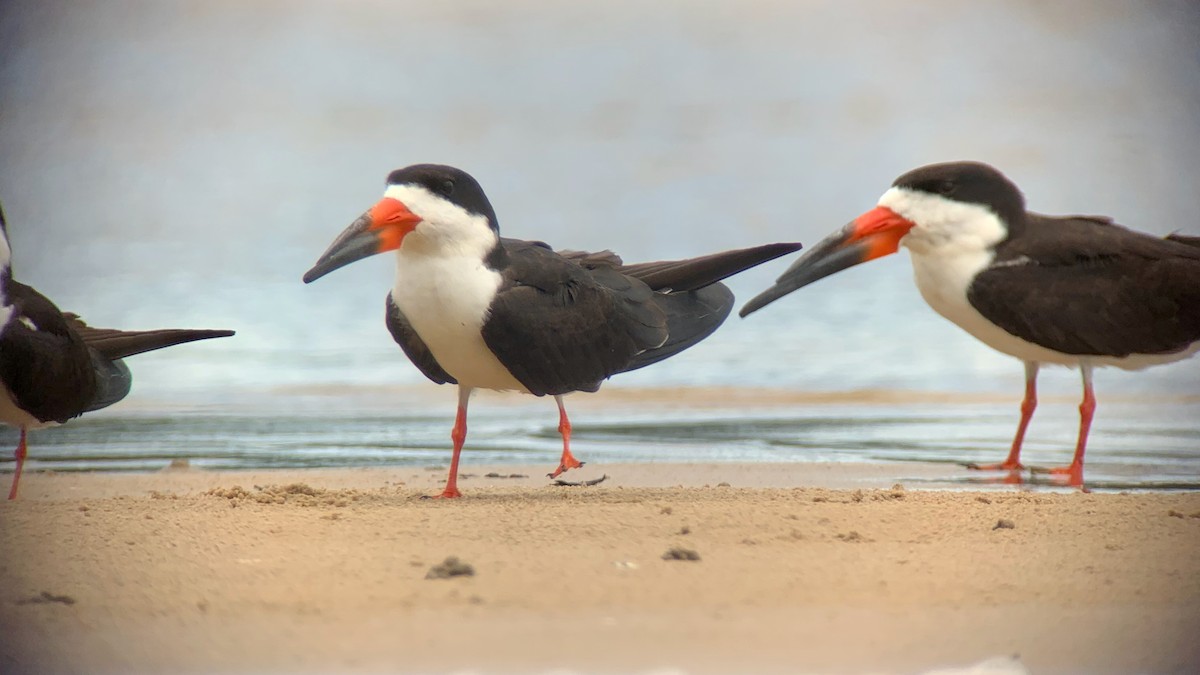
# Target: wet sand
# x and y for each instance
(802, 568)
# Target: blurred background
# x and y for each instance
(182, 164)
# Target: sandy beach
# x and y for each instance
(801, 568)
(786, 496)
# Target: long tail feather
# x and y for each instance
(118, 344)
(696, 273)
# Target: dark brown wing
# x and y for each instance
(1082, 285)
(692, 298)
(564, 322)
(414, 348)
(43, 363)
(559, 327)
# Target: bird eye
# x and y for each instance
(944, 187)
(447, 187)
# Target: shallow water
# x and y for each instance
(1134, 445)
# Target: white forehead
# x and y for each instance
(429, 206)
(5, 252)
(939, 219)
(925, 208)
(445, 226)
(6, 310)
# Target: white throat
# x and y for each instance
(950, 243)
(5, 252)
(6, 310)
(446, 228)
(944, 227)
(445, 289)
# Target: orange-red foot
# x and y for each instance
(1073, 474)
(448, 493)
(568, 462)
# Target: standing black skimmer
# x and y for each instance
(53, 366)
(1078, 291)
(472, 308)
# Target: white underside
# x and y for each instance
(6, 310)
(944, 286)
(444, 288)
(446, 299)
(950, 245)
(13, 416)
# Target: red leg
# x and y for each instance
(568, 460)
(1087, 408)
(459, 435)
(20, 455)
(1028, 405)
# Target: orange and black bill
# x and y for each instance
(874, 234)
(380, 229)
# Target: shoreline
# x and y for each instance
(801, 569)
(185, 480)
(182, 478)
(614, 396)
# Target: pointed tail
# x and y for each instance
(118, 344)
(1178, 238)
(696, 273)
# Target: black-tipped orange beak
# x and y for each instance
(874, 234)
(380, 229)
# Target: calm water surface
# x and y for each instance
(1142, 445)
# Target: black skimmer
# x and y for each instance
(53, 366)
(1078, 291)
(472, 308)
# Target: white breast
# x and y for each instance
(944, 281)
(446, 300)
(6, 310)
(950, 244)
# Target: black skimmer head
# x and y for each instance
(962, 206)
(430, 206)
(1078, 291)
(474, 309)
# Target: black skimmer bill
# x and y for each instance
(1078, 291)
(54, 367)
(472, 308)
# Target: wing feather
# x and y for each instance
(1114, 293)
(560, 327)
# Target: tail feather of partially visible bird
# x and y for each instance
(113, 381)
(1178, 238)
(118, 344)
(696, 273)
